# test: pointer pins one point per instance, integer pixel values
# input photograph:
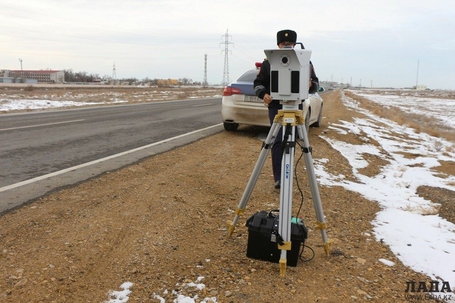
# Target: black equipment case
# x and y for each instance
(263, 238)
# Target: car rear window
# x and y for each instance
(248, 76)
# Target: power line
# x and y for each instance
(226, 58)
(204, 83)
(114, 73)
(417, 76)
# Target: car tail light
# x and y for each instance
(229, 91)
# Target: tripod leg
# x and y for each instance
(314, 187)
(287, 177)
(274, 129)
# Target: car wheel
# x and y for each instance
(319, 122)
(230, 127)
(307, 121)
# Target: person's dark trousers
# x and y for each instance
(277, 151)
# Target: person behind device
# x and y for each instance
(285, 38)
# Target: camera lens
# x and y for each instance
(285, 60)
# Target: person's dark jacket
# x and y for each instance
(262, 81)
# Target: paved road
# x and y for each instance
(42, 151)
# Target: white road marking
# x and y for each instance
(38, 125)
(202, 105)
(8, 187)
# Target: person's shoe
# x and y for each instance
(277, 184)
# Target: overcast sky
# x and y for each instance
(379, 43)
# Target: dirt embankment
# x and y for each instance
(161, 224)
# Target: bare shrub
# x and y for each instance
(438, 146)
(429, 210)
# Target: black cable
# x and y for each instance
(301, 253)
(297, 180)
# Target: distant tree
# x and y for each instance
(130, 81)
(106, 78)
(154, 82)
(71, 76)
(185, 81)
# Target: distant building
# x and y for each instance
(167, 82)
(41, 76)
(421, 87)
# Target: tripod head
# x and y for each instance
(289, 75)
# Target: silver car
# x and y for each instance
(240, 105)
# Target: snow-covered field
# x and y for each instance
(440, 106)
(407, 223)
(30, 104)
(52, 98)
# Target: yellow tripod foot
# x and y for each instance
(282, 267)
(231, 228)
(327, 248)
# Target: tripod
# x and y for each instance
(290, 120)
